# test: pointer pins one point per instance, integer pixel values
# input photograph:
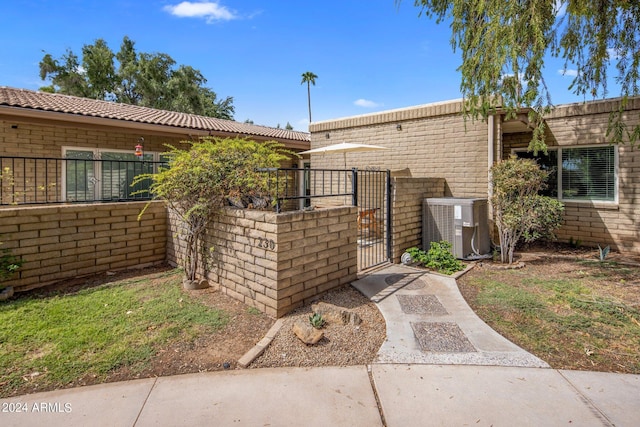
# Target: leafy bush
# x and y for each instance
(520, 213)
(9, 264)
(199, 182)
(438, 258)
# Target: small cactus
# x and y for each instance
(316, 320)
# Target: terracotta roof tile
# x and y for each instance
(28, 99)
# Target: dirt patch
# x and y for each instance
(356, 345)
(208, 351)
(564, 306)
(221, 350)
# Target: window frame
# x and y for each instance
(97, 172)
(558, 149)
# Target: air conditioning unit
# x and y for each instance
(463, 222)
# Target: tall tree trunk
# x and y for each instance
(309, 99)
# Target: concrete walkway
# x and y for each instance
(428, 321)
(409, 395)
(465, 374)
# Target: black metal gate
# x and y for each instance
(373, 197)
(369, 190)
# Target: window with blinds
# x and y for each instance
(109, 178)
(579, 173)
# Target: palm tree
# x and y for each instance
(309, 78)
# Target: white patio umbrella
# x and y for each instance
(344, 147)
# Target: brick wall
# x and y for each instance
(46, 139)
(406, 216)
(277, 262)
(433, 142)
(67, 241)
(596, 223)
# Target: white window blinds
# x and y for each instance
(588, 173)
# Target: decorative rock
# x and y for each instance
(498, 266)
(259, 202)
(406, 259)
(307, 333)
(191, 285)
(333, 313)
(6, 293)
(236, 202)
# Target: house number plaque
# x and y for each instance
(266, 243)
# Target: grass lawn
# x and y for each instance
(573, 313)
(51, 341)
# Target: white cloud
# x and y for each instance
(211, 11)
(560, 8)
(570, 73)
(510, 75)
(366, 103)
(614, 54)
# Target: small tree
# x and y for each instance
(504, 46)
(199, 182)
(310, 79)
(520, 213)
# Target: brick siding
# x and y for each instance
(67, 241)
(406, 216)
(46, 139)
(434, 141)
(276, 262)
(596, 223)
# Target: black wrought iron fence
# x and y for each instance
(294, 188)
(369, 190)
(37, 180)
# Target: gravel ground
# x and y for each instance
(342, 345)
(441, 337)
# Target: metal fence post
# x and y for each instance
(278, 207)
(389, 205)
(354, 185)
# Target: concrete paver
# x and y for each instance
(617, 395)
(461, 395)
(330, 396)
(385, 287)
(112, 404)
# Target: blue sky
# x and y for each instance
(369, 56)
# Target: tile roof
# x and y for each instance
(43, 101)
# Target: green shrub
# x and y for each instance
(520, 212)
(438, 258)
(9, 264)
(199, 181)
